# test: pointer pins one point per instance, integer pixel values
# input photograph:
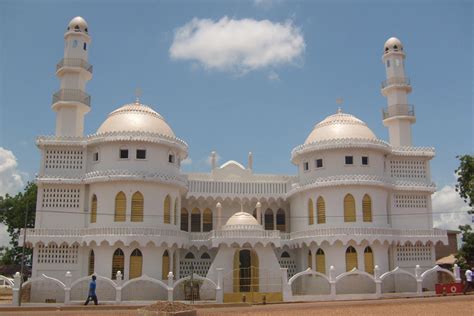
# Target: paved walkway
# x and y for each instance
(442, 306)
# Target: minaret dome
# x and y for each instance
(78, 24)
(393, 44)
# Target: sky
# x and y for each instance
(240, 76)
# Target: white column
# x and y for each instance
(259, 212)
(219, 215)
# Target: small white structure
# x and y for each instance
(115, 203)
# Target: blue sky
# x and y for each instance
(268, 110)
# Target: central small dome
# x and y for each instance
(136, 117)
(241, 218)
(340, 126)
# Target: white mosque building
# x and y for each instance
(116, 203)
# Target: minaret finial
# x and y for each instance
(138, 93)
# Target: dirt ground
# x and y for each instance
(451, 305)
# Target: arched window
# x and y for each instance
(136, 260)
(369, 260)
(167, 210)
(189, 255)
(117, 263)
(137, 207)
(310, 260)
(285, 255)
(196, 220)
(205, 256)
(320, 261)
(165, 266)
(281, 220)
(120, 207)
(269, 219)
(94, 209)
(367, 208)
(175, 211)
(321, 210)
(310, 212)
(351, 258)
(91, 263)
(184, 219)
(349, 208)
(207, 220)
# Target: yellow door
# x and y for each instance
(136, 261)
(369, 260)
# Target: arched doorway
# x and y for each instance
(246, 268)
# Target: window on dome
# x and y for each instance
(349, 160)
(95, 156)
(305, 166)
(171, 158)
(167, 210)
(310, 212)
(321, 210)
(141, 153)
(85, 46)
(93, 218)
(319, 163)
(120, 207)
(365, 160)
(367, 208)
(123, 153)
(349, 208)
(137, 207)
(77, 28)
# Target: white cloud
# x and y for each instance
(273, 76)
(237, 45)
(186, 162)
(12, 180)
(449, 209)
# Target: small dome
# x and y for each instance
(340, 126)
(241, 218)
(78, 24)
(136, 117)
(393, 44)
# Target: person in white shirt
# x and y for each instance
(469, 275)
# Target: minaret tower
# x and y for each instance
(399, 115)
(71, 102)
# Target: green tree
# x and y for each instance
(465, 173)
(13, 216)
(465, 254)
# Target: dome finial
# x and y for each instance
(339, 101)
(138, 93)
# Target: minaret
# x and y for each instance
(71, 102)
(399, 115)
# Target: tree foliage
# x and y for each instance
(465, 254)
(465, 173)
(13, 216)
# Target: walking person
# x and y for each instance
(92, 295)
(468, 286)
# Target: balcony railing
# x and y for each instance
(398, 110)
(397, 81)
(74, 62)
(72, 95)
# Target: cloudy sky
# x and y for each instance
(240, 76)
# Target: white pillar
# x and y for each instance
(259, 212)
(170, 286)
(118, 289)
(419, 280)
(457, 273)
(67, 289)
(219, 215)
(332, 281)
(250, 166)
(378, 282)
(220, 286)
(16, 289)
(286, 289)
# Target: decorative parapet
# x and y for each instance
(356, 179)
(370, 234)
(341, 143)
(414, 151)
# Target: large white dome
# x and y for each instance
(241, 218)
(338, 126)
(136, 117)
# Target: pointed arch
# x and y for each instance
(367, 208)
(310, 212)
(195, 220)
(120, 207)
(321, 210)
(91, 265)
(351, 258)
(118, 260)
(369, 260)
(349, 208)
(285, 254)
(207, 220)
(165, 265)
(205, 256)
(320, 261)
(137, 207)
(136, 263)
(310, 260)
(175, 211)
(167, 210)
(184, 219)
(281, 220)
(189, 255)
(93, 218)
(269, 219)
